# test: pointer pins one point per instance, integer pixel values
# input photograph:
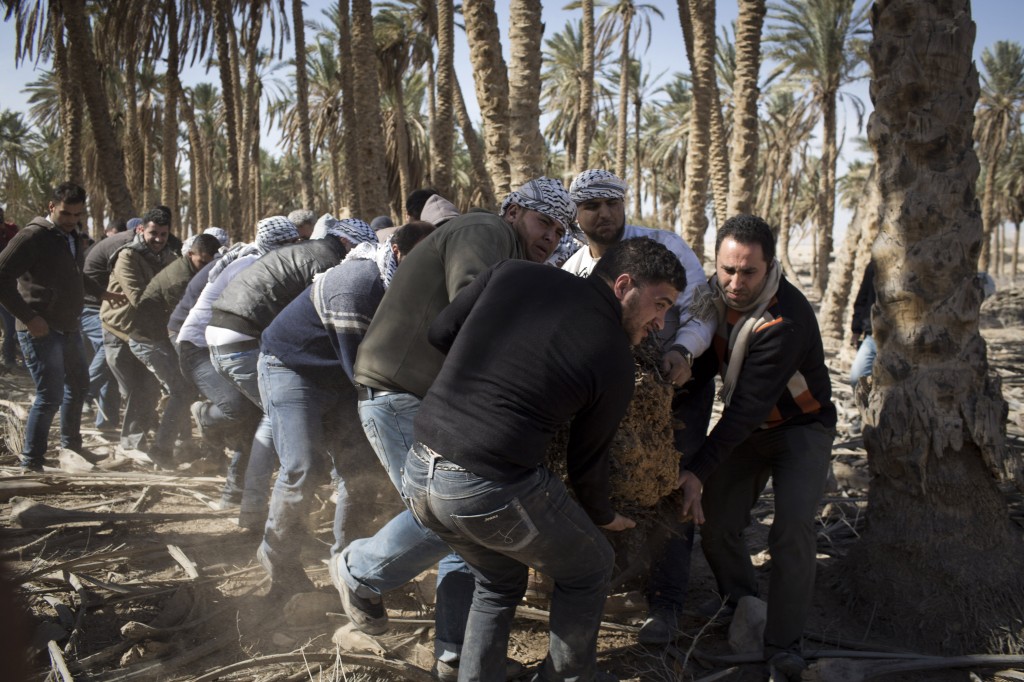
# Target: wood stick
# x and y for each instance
(57, 661)
(408, 671)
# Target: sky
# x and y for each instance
(995, 20)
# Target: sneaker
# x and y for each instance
(162, 459)
(284, 582)
(446, 672)
(367, 614)
(786, 665)
(661, 627)
(197, 417)
(31, 467)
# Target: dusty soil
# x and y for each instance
(152, 597)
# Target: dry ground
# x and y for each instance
(156, 597)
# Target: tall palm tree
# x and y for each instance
(818, 44)
(370, 137)
(491, 79)
(302, 104)
(745, 95)
(223, 27)
(526, 145)
(617, 19)
(700, 48)
(585, 120)
(443, 123)
(997, 124)
(484, 195)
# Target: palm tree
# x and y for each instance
(617, 18)
(526, 146)
(699, 36)
(817, 43)
(935, 418)
(491, 79)
(443, 129)
(585, 120)
(302, 104)
(223, 27)
(997, 124)
(370, 137)
(745, 94)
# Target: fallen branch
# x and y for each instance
(57, 661)
(30, 514)
(408, 671)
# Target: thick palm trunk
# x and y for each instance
(745, 93)
(477, 156)
(491, 79)
(200, 198)
(702, 66)
(637, 158)
(526, 146)
(88, 72)
(826, 191)
(1016, 250)
(988, 212)
(585, 122)
(222, 28)
(70, 97)
(249, 125)
(302, 105)
(702, 13)
(401, 138)
(370, 139)
(935, 419)
(622, 129)
(169, 157)
(442, 138)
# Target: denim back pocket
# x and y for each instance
(507, 529)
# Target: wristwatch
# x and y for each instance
(687, 355)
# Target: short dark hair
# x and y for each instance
(411, 234)
(157, 215)
(205, 244)
(643, 259)
(118, 225)
(416, 199)
(748, 229)
(68, 193)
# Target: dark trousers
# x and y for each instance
(140, 389)
(57, 365)
(797, 459)
(103, 386)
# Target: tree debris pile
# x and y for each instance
(1004, 309)
(644, 462)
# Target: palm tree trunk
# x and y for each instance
(702, 16)
(988, 213)
(70, 97)
(526, 146)
(1016, 250)
(222, 29)
(585, 122)
(481, 179)
(370, 140)
(637, 158)
(702, 66)
(826, 191)
(248, 98)
(442, 138)
(135, 153)
(935, 419)
(200, 176)
(169, 157)
(352, 181)
(491, 79)
(745, 94)
(302, 105)
(88, 74)
(621, 132)
(401, 141)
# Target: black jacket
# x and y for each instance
(254, 298)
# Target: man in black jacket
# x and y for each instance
(528, 349)
(41, 284)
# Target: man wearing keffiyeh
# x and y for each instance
(395, 367)
(778, 421)
(601, 213)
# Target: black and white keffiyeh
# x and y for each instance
(596, 184)
(546, 196)
(351, 229)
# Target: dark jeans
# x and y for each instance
(500, 529)
(139, 388)
(229, 418)
(9, 350)
(103, 386)
(57, 365)
(797, 459)
(161, 360)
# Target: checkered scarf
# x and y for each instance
(546, 196)
(596, 184)
(352, 229)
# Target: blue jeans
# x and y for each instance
(161, 359)
(297, 407)
(240, 367)
(229, 417)
(403, 549)
(139, 388)
(797, 459)
(864, 362)
(9, 350)
(102, 384)
(57, 365)
(500, 529)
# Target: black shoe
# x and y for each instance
(786, 665)
(718, 609)
(367, 614)
(162, 459)
(31, 467)
(286, 583)
(661, 627)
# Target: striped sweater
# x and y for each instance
(784, 380)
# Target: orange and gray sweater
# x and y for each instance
(784, 381)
